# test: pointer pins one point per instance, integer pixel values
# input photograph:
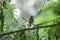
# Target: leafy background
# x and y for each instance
(45, 12)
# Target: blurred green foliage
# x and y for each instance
(50, 11)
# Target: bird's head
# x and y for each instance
(31, 16)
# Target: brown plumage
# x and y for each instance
(31, 20)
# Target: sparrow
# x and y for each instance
(31, 20)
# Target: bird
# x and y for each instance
(31, 20)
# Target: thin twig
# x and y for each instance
(48, 21)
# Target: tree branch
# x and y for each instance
(27, 29)
(48, 21)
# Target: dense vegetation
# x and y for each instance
(46, 25)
